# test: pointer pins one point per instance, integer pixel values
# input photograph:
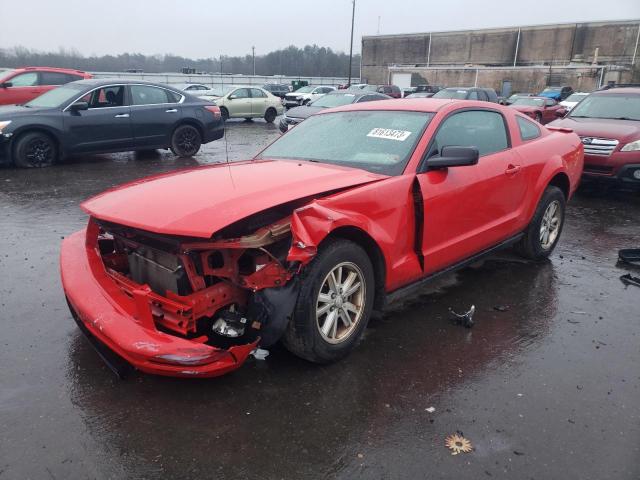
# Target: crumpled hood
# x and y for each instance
(199, 202)
(622, 130)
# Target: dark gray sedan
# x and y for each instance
(98, 116)
(334, 99)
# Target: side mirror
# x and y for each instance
(454, 157)
(76, 107)
(232, 97)
(6, 84)
(561, 112)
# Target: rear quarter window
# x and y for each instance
(528, 129)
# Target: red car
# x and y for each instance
(541, 109)
(186, 273)
(20, 85)
(608, 122)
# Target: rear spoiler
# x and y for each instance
(560, 129)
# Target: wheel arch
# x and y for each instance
(50, 132)
(191, 122)
(561, 180)
(372, 249)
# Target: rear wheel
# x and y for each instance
(35, 150)
(334, 304)
(186, 141)
(543, 233)
(270, 115)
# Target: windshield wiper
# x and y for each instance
(621, 118)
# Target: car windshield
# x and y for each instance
(531, 102)
(576, 97)
(451, 93)
(305, 89)
(620, 106)
(334, 100)
(377, 141)
(57, 97)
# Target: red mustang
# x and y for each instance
(541, 109)
(186, 273)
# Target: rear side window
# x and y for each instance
(55, 78)
(473, 95)
(257, 93)
(528, 129)
(481, 129)
(147, 95)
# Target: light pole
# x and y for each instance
(253, 53)
(353, 16)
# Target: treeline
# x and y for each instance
(312, 60)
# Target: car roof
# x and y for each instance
(96, 82)
(356, 93)
(618, 90)
(427, 105)
(50, 69)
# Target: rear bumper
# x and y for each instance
(114, 320)
(215, 132)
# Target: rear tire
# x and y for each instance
(270, 115)
(334, 303)
(544, 230)
(186, 141)
(35, 150)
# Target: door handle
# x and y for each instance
(172, 110)
(122, 115)
(512, 169)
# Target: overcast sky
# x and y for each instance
(207, 28)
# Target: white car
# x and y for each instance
(245, 102)
(304, 95)
(196, 89)
(572, 100)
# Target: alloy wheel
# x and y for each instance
(340, 303)
(550, 225)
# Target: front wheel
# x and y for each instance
(35, 150)
(186, 141)
(543, 233)
(334, 304)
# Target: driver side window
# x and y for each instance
(105, 97)
(241, 93)
(24, 80)
(482, 129)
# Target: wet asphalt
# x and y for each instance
(545, 386)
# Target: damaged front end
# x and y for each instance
(182, 306)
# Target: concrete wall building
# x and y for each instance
(518, 59)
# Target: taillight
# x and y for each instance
(215, 110)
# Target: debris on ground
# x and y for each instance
(260, 354)
(465, 319)
(458, 444)
(430, 409)
(630, 256)
(629, 279)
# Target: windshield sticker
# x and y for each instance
(389, 134)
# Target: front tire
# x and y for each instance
(225, 114)
(334, 303)
(270, 115)
(186, 141)
(544, 230)
(35, 150)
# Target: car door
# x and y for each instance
(24, 87)
(239, 103)
(104, 126)
(155, 111)
(469, 209)
(258, 102)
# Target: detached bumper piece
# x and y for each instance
(118, 325)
